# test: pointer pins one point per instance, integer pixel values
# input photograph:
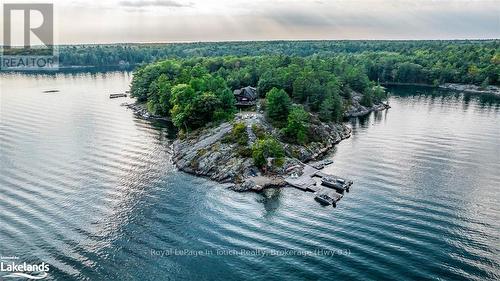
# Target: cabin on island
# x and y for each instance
(246, 96)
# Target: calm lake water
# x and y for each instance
(89, 189)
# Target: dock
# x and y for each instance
(321, 164)
(326, 196)
(305, 181)
(114, 96)
(310, 180)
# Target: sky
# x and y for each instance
(122, 21)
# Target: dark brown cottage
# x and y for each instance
(246, 96)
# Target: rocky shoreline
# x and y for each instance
(205, 152)
(140, 110)
(357, 110)
(473, 89)
(467, 88)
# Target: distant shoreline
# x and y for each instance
(472, 89)
(466, 88)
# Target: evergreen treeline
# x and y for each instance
(427, 62)
(197, 91)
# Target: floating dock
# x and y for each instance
(311, 180)
(327, 197)
(114, 96)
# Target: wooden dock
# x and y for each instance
(310, 180)
(305, 181)
(114, 96)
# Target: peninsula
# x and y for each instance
(252, 121)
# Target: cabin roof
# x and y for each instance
(246, 92)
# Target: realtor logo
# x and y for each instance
(11, 267)
(33, 24)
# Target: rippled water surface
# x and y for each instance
(89, 189)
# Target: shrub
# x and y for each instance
(244, 151)
(367, 99)
(266, 148)
(379, 93)
(259, 131)
(239, 133)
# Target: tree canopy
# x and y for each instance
(278, 106)
(265, 148)
(426, 61)
(296, 128)
(195, 91)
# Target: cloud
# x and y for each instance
(221, 20)
(153, 3)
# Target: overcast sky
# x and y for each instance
(109, 21)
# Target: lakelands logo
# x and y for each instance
(24, 270)
(28, 37)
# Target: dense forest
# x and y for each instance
(425, 62)
(297, 81)
(296, 90)
(198, 91)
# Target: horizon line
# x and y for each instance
(260, 41)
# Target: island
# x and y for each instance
(251, 122)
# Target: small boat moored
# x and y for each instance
(321, 164)
(328, 198)
(114, 96)
(338, 184)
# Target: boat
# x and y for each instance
(338, 184)
(321, 164)
(348, 183)
(328, 198)
(113, 96)
(324, 199)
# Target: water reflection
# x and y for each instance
(368, 120)
(271, 201)
(89, 188)
(445, 96)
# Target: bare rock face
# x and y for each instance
(473, 89)
(208, 156)
(356, 109)
(326, 135)
(205, 153)
(259, 183)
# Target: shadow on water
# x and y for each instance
(367, 120)
(166, 131)
(270, 198)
